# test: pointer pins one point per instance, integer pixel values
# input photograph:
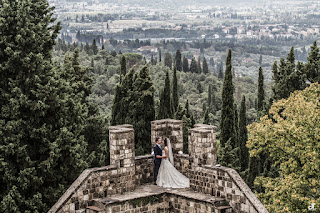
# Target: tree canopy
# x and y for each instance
(291, 135)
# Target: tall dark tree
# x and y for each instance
(178, 60)
(287, 77)
(236, 124)
(227, 111)
(185, 65)
(206, 117)
(175, 95)
(260, 92)
(94, 47)
(205, 68)
(199, 65)
(123, 67)
(165, 108)
(41, 118)
(193, 66)
(168, 60)
(188, 122)
(243, 135)
(312, 67)
(142, 107)
(229, 153)
(122, 100)
(220, 74)
(159, 51)
(209, 95)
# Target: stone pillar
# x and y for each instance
(122, 153)
(202, 145)
(168, 128)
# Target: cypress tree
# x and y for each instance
(143, 109)
(205, 68)
(253, 171)
(165, 109)
(178, 60)
(159, 51)
(243, 135)
(123, 67)
(236, 123)
(199, 65)
(206, 117)
(92, 64)
(220, 74)
(168, 60)
(185, 64)
(86, 48)
(94, 47)
(193, 66)
(175, 96)
(209, 95)
(260, 92)
(312, 67)
(227, 111)
(229, 154)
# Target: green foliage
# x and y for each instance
(287, 78)
(123, 67)
(94, 47)
(45, 118)
(312, 67)
(291, 136)
(205, 68)
(142, 108)
(185, 65)
(229, 155)
(194, 66)
(175, 95)
(206, 117)
(134, 104)
(165, 108)
(178, 61)
(261, 102)
(168, 60)
(199, 65)
(243, 135)
(220, 74)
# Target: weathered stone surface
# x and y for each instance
(117, 188)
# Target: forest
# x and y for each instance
(58, 99)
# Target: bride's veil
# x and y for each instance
(170, 152)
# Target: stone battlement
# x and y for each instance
(123, 186)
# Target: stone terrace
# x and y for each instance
(152, 198)
(124, 186)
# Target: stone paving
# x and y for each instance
(149, 190)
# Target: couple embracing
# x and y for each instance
(165, 174)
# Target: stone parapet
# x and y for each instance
(223, 182)
(202, 145)
(168, 128)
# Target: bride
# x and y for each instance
(169, 176)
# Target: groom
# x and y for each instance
(157, 150)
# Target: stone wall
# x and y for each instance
(223, 182)
(168, 128)
(202, 145)
(144, 169)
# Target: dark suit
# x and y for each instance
(156, 161)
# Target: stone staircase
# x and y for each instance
(151, 198)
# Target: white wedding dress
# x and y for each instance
(169, 176)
